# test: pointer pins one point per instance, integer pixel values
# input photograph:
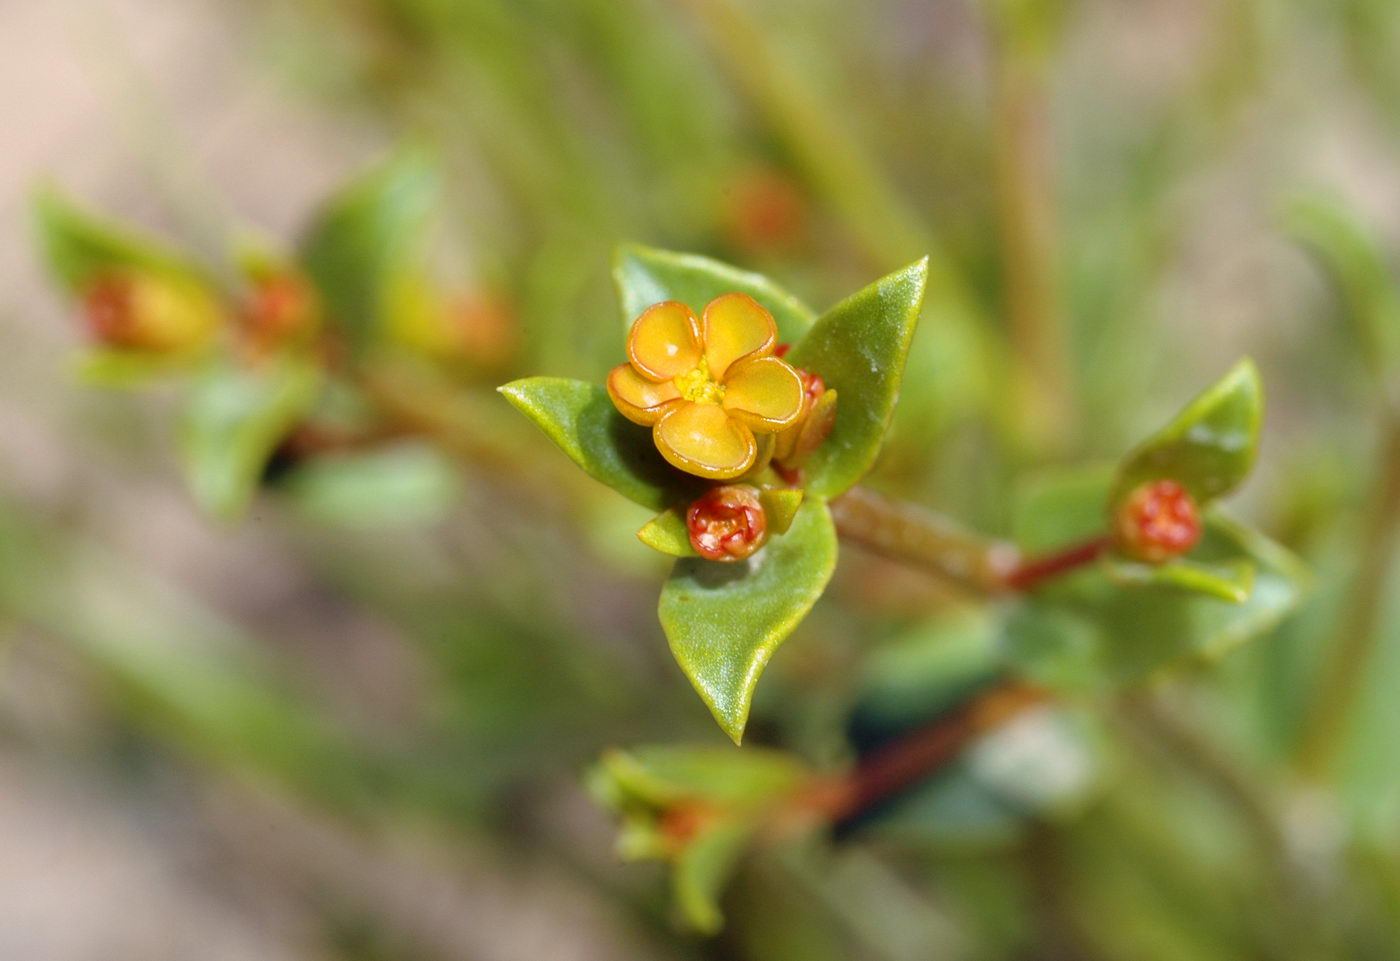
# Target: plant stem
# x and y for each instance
(1028, 231)
(829, 155)
(921, 538)
(1031, 574)
(918, 754)
(1355, 643)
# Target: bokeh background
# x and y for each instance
(352, 726)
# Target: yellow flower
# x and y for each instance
(706, 387)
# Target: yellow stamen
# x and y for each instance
(699, 387)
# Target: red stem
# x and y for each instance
(918, 754)
(1031, 574)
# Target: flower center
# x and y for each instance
(699, 387)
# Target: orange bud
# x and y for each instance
(140, 310)
(727, 523)
(282, 308)
(1157, 522)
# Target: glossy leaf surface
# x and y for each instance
(724, 621)
(667, 533)
(646, 276)
(1209, 447)
(581, 419)
(859, 348)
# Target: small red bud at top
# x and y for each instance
(282, 308)
(727, 523)
(1157, 522)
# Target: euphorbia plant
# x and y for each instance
(746, 422)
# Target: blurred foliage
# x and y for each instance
(1179, 794)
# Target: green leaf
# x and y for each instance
(1209, 447)
(581, 419)
(725, 620)
(646, 276)
(366, 239)
(234, 420)
(1229, 580)
(859, 348)
(402, 485)
(667, 533)
(780, 505)
(81, 247)
(734, 788)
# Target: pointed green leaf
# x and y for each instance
(366, 238)
(780, 506)
(581, 419)
(667, 533)
(646, 276)
(1227, 580)
(235, 418)
(1209, 447)
(725, 620)
(80, 247)
(859, 348)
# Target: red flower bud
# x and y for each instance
(135, 310)
(282, 308)
(1157, 522)
(813, 424)
(727, 523)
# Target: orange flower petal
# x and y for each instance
(665, 341)
(639, 400)
(736, 326)
(702, 439)
(765, 393)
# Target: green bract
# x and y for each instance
(720, 794)
(1209, 447)
(859, 347)
(364, 241)
(724, 621)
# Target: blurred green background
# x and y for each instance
(352, 726)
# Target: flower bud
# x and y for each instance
(1158, 521)
(727, 523)
(283, 308)
(145, 311)
(818, 416)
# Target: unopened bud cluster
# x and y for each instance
(1158, 521)
(727, 523)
